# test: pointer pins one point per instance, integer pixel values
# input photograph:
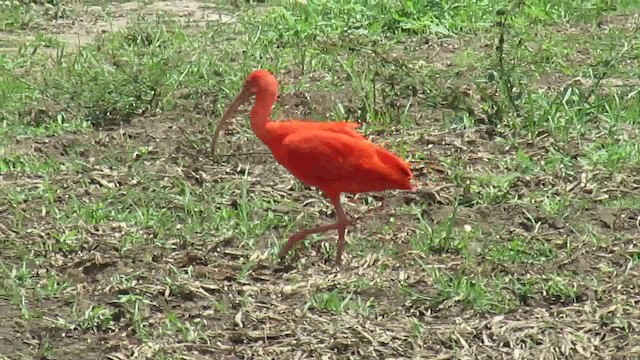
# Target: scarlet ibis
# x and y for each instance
(331, 156)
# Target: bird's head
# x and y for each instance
(258, 82)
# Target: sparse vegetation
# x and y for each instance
(120, 238)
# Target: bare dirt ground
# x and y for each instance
(78, 25)
(210, 297)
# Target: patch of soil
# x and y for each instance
(316, 105)
(629, 21)
(9, 327)
(77, 26)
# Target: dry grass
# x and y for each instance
(121, 239)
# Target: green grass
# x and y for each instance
(119, 235)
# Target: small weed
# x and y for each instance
(520, 250)
(559, 289)
(337, 302)
(443, 237)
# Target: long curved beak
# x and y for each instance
(240, 99)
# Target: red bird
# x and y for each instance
(331, 156)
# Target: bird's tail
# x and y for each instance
(401, 173)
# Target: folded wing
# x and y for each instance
(337, 162)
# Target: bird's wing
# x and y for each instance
(326, 155)
(340, 127)
(335, 161)
(345, 127)
(323, 158)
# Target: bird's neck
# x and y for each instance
(261, 114)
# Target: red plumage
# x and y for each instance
(331, 156)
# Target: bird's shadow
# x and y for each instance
(283, 266)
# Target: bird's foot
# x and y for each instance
(293, 240)
(301, 235)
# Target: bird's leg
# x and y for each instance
(340, 225)
(299, 236)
